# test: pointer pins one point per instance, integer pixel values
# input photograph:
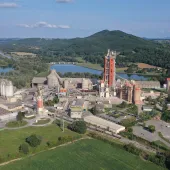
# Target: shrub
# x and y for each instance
(151, 128)
(51, 144)
(23, 148)
(33, 140)
(78, 126)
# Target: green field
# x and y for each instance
(42, 121)
(14, 124)
(86, 154)
(11, 139)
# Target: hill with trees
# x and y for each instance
(94, 47)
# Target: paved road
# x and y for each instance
(5, 55)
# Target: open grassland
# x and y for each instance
(23, 54)
(121, 70)
(86, 154)
(11, 139)
(143, 65)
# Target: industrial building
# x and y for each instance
(168, 86)
(102, 123)
(110, 68)
(12, 107)
(7, 115)
(148, 84)
(104, 90)
(76, 108)
(53, 80)
(6, 88)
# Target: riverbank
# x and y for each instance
(91, 66)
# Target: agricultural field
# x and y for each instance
(22, 54)
(143, 65)
(88, 154)
(10, 140)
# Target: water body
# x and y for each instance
(64, 68)
(5, 69)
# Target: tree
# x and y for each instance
(94, 110)
(123, 105)
(167, 161)
(33, 140)
(78, 126)
(56, 99)
(129, 129)
(151, 128)
(166, 116)
(20, 116)
(23, 148)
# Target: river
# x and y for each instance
(64, 68)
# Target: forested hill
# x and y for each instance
(96, 43)
(94, 47)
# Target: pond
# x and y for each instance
(64, 68)
(5, 69)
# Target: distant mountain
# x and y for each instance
(94, 47)
(96, 43)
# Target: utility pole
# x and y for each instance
(63, 124)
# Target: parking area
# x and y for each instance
(160, 126)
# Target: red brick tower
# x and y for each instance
(109, 68)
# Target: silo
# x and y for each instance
(85, 84)
(0, 87)
(53, 80)
(39, 104)
(3, 89)
(137, 94)
(9, 89)
(66, 84)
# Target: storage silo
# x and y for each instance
(9, 89)
(66, 84)
(3, 89)
(53, 80)
(137, 94)
(39, 104)
(85, 84)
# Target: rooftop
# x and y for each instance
(39, 80)
(104, 123)
(3, 111)
(77, 103)
(13, 105)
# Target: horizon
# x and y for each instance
(164, 38)
(78, 18)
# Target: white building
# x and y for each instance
(6, 88)
(104, 90)
(102, 123)
(7, 115)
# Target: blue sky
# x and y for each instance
(80, 18)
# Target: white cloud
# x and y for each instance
(43, 24)
(8, 5)
(63, 1)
